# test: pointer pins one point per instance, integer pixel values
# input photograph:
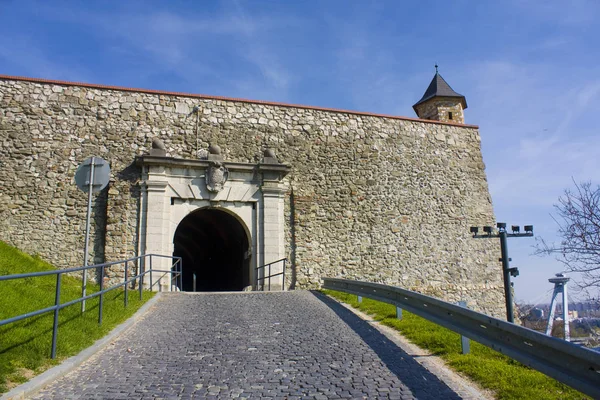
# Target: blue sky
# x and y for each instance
(530, 70)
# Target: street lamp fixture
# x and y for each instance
(506, 270)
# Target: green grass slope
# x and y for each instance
(507, 378)
(25, 345)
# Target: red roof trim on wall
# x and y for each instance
(202, 96)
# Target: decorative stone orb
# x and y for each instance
(158, 144)
(269, 153)
(214, 149)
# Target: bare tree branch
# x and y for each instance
(577, 215)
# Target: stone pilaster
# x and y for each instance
(273, 229)
(156, 227)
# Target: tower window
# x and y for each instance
(450, 115)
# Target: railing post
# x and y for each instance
(269, 277)
(126, 265)
(174, 276)
(194, 283)
(56, 309)
(465, 343)
(283, 276)
(151, 273)
(398, 312)
(101, 295)
(140, 283)
(257, 279)
(143, 269)
(178, 274)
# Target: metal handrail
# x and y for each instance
(175, 272)
(260, 280)
(573, 365)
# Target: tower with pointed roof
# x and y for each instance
(441, 103)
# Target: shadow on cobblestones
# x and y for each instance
(419, 380)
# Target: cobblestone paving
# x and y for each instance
(292, 345)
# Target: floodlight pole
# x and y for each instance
(506, 273)
(506, 270)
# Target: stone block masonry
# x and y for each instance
(370, 197)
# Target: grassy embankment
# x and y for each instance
(25, 345)
(507, 378)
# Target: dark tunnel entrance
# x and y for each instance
(213, 245)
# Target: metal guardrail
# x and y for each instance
(573, 365)
(175, 273)
(260, 280)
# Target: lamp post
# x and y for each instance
(507, 272)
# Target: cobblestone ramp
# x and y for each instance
(286, 345)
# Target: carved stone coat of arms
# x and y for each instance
(216, 176)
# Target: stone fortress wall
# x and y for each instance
(376, 198)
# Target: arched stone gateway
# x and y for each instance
(224, 219)
(214, 247)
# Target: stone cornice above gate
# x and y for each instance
(273, 171)
(156, 186)
(271, 188)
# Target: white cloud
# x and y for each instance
(532, 138)
(30, 58)
(570, 13)
(369, 71)
(536, 138)
(194, 47)
(588, 93)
